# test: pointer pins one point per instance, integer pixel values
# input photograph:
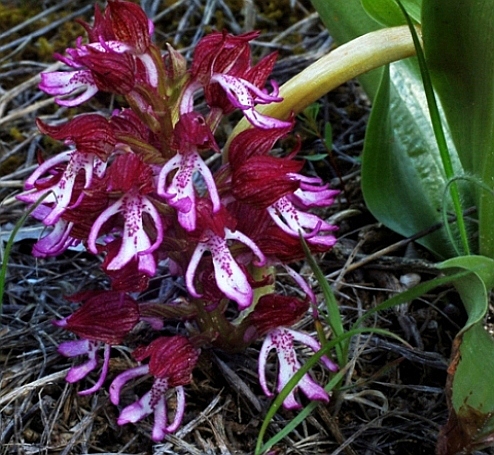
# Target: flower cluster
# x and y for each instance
(134, 187)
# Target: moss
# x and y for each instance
(11, 164)
(42, 48)
(16, 134)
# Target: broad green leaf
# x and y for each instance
(402, 175)
(345, 21)
(471, 423)
(459, 47)
(387, 12)
(414, 9)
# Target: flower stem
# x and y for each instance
(346, 62)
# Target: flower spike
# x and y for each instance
(141, 187)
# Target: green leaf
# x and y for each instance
(311, 112)
(414, 9)
(316, 157)
(459, 47)
(471, 422)
(403, 181)
(472, 291)
(387, 13)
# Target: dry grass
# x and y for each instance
(392, 400)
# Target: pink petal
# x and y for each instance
(230, 278)
(122, 379)
(66, 83)
(102, 219)
(56, 242)
(103, 374)
(245, 95)
(200, 249)
(237, 235)
(267, 346)
(179, 412)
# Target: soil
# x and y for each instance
(392, 398)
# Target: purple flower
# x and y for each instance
(214, 237)
(190, 134)
(281, 339)
(312, 193)
(61, 184)
(104, 319)
(275, 184)
(90, 349)
(129, 174)
(171, 361)
(221, 65)
(57, 241)
(135, 240)
(245, 96)
(66, 176)
(62, 83)
(293, 221)
(120, 42)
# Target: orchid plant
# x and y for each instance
(136, 188)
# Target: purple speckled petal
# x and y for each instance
(245, 95)
(294, 221)
(229, 276)
(137, 410)
(180, 193)
(135, 241)
(146, 404)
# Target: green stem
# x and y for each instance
(216, 330)
(346, 62)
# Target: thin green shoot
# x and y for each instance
(410, 294)
(333, 315)
(439, 134)
(8, 248)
